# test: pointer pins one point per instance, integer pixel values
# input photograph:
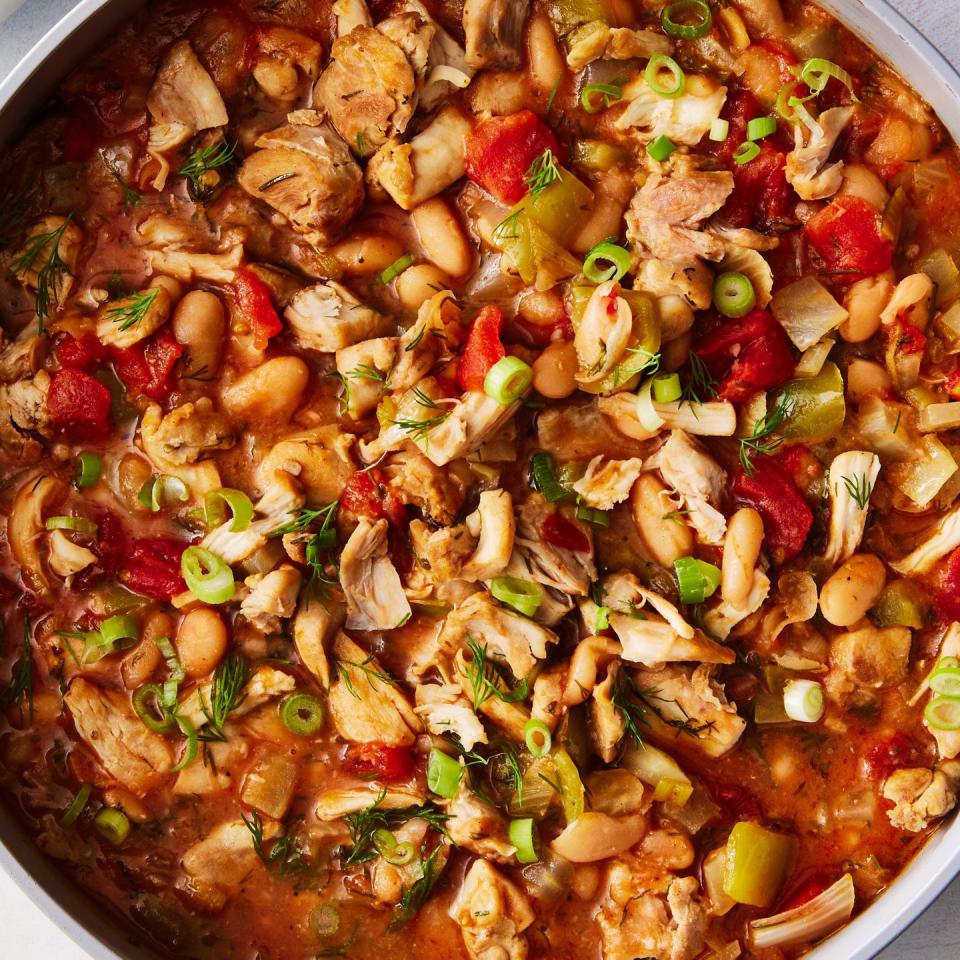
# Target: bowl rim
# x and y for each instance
(102, 936)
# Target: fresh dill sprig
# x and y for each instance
(284, 854)
(553, 96)
(275, 180)
(418, 429)
(304, 518)
(226, 694)
(676, 516)
(371, 673)
(509, 223)
(129, 314)
(130, 196)
(365, 371)
(19, 688)
(762, 439)
(366, 822)
(318, 552)
(859, 488)
(51, 271)
(542, 172)
(485, 681)
(644, 363)
(417, 894)
(627, 699)
(204, 161)
(700, 382)
(505, 764)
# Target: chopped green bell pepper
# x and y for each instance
(597, 155)
(758, 861)
(816, 409)
(902, 604)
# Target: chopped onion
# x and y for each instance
(942, 269)
(549, 879)
(444, 72)
(808, 922)
(939, 416)
(646, 411)
(714, 868)
(651, 765)
(813, 359)
(922, 479)
(807, 311)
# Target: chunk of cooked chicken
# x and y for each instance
(332, 805)
(22, 357)
(191, 265)
(272, 598)
(35, 252)
(368, 89)
(182, 101)
(944, 539)
(605, 484)
(724, 616)
(580, 431)
(851, 472)
(494, 32)
(365, 704)
(370, 582)
(415, 481)
(866, 659)
(444, 709)
(443, 51)
(698, 480)
(201, 476)
(426, 342)
(948, 741)
(313, 629)
(152, 307)
(220, 773)
(794, 602)
(440, 554)
(492, 913)
(327, 187)
(477, 825)
(130, 752)
(320, 459)
(328, 317)
(262, 686)
(684, 119)
(65, 557)
(350, 14)
(614, 43)
(807, 169)
(364, 368)
(193, 431)
(607, 723)
(24, 404)
(713, 418)
(510, 717)
(493, 524)
(507, 636)
(920, 795)
(37, 496)
(689, 702)
(413, 172)
(588, 660)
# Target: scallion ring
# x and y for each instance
(803, 700)
(145, 496)
(241, 508)
(324, 920)
(301, 714)
(600, 518)
(73, 524)
(760, 127)
(507, 380)
(190, 750)
(119, 627)
(88, 470)
(943, 713)
(537, 736)
(607, 92)
(661, 148)
(524, 836)
(946, 681)
(660, 63)
(77, 806)
(443, 773)
(524, 596)
(609, 252)
(208, 578)
(112, 825)
(746, 152)
(733, 295)
(167, 490)
(719, 130)
(816, 74)
(696, 579)
(397, 267)
(398, 854)
(646, 412)
(666, 388)
(150, 708)
(543, 478)
(672, 27)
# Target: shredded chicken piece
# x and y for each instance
(477, 825)
(313, 628)
(807, 169)
(945, 538)
(494, 31)
(588, 660)
(510, 717)
(865, 659)
(920, 795)
(364, 367)
(852, 472)
(566, 571)
(371, 585)
(68, 237)
(437, 492)
(334, 805)
(607, 723)
(605, 484)
(320, 459)
(272, 598)
(684, 119)
(193, 431)
(200, 476)
(350, 14)
(493, 524)
(615, 43)
(220, 773)
(722, 618)
(445, 710)
(328, 317)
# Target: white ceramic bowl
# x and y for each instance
(97, 930)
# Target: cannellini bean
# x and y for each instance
(199, 323)
(670, 848)
(145, 658)
(676, 317)
(864, 302)
(741, 548)
(277, 79)
(542, 308)
(201, 641)
(545, 62)
(852, 589)
(272, 390)
(498, 92)
(363, 256)
(596, 836)
(899, 141)
(665, 539)
(441, 236)
(132, 473)
(417, 284)
(866, 379)
(861, 181)
(555, 370)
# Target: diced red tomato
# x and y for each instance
(893, 753)
(153, 568)
(113, 543)
(148, 366)
(747, 355)
(948, 588)
(379, 761)
(737, 801)
(847, 236)
(79, 405)
(761, 196)
(364, 495)
(483, 348)
(80, 134)
(561, 532)
(501, 149)
(806, 891)
(255, 306)
(81, 353)
(787, 517)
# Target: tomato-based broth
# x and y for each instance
(480, 478)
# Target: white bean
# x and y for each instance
(366, 255)
(442, 238)
(864, 302)
(546, 63)
(419, 283)
(199, 324)
(666, 538)
(201, 641)
(741, 548)
(271, 391)
(852, 589)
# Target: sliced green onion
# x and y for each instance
(523, 595)
(816, 74)
(524, 836)
(190, 751)
(733, 295)
(696, 579)
(398, 854)
(241, 508)
(301, 714)
(537, 736)
(112, 825)
(660, 62)
(88, 470)
(208, 577)
(145, 496)
(150, 708)
(167, 489)
(760, 127)
(507, 380)
(803, 700)
(119, 627)
(943, 713)
(77, 806)
(719, 130)
(782, 105)
(661, 148)
(746, 152)
(646, 412)
(608, 93)
(672, 27)
(600, 518)
(171, 686)
(666, 388)
(397, 267)
(543, 478)
(324, 920)
(443, 774)
(616, 256)
(74, 524)
(945, 679)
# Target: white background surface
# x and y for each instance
(25, 932)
